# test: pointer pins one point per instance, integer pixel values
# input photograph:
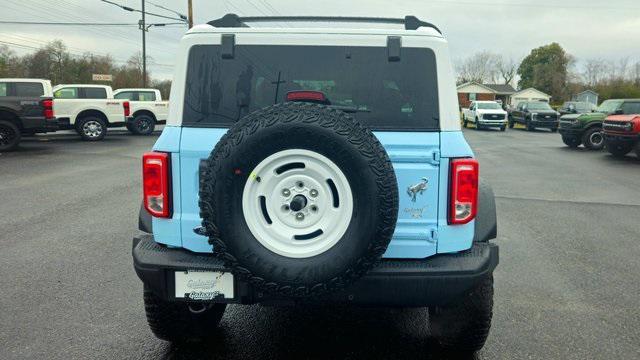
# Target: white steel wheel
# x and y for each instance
(297, 203)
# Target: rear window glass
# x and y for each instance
(127, 95)
(146, 96)
(3, 89)
(66, 93)
(401, 95)
(95, 93)
(29, 89)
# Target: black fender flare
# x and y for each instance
(145, 224)
(486, 218)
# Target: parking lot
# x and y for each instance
(567, 286)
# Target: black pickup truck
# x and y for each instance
(26, 108)
(534, 114)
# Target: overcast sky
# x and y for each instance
(585, 28)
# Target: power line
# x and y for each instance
(78, 23)
(79, 53)
(68, 15)
(181, 16)
(140, 11)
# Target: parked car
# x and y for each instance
(576, 107)
(485, 114)
(534, 114)
(586, 128)
(348, 180)
(89, 109)
(147, 109)
(622, 134)
(26, 108)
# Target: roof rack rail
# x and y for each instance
(235, 21)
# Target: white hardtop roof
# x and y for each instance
(375, 29)
(23, 80)
(135, 89)
(484, 101)
(81, 85)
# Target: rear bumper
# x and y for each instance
(409, 283)
(33, 125)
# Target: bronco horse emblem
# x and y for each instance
(416, 189)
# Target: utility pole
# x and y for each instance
(144, 48)
(142, 24)
(190, 13)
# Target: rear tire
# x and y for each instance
(593, 139)
(142, 125)
(350, 239)
(619, 149)
(503, 128)
(464, 326)
(9, 136)
(91, 128)
(176, 322)
(571, 141)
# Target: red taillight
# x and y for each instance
(127, 108)
(306, 95)
(155, 184)
(47, 106)
(463, 191)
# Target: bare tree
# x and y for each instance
(487, 67)
(620, 70)
(507, 68)
(595, 71)
(480, 68)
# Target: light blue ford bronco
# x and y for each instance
(315, 163)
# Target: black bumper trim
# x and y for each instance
(409, 283)
(571, 131)
(622, 138)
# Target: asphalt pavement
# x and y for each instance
(567, 286)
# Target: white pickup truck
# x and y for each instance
(89, 109)
(485, 114)
(147, 109)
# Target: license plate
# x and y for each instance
(203, 285)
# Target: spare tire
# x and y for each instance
(299, 199)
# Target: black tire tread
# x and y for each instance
(586, 138)
(339, 122)
(571, 141)
(15, 128)
(618, 149)
(172, 321)
(136, 130)
(464, 326)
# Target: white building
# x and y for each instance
(529, 94)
